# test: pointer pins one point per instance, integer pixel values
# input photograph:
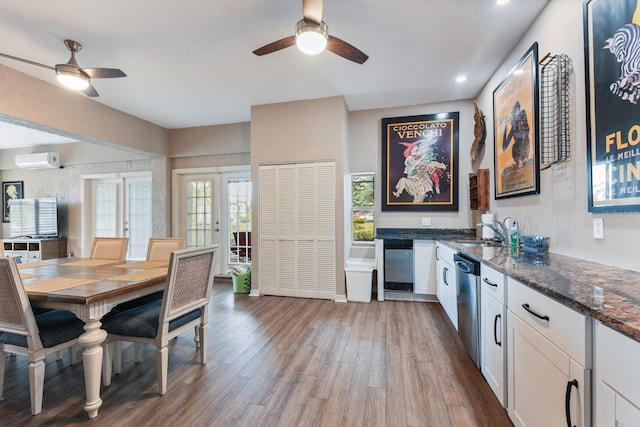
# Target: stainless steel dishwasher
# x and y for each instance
(468, 278)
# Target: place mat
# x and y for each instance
(32, 264)
(141, 275)
(144, 265)
(29, 275)
(91, 262)
(56, 284)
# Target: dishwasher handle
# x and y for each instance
(463, 266)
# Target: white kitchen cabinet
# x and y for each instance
(446, 281)
(617, 375)
(548, 360)
(424, 267)
(493, 348)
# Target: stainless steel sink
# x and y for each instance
(479, 244)
(474, 244)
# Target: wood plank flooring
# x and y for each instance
(275, 361)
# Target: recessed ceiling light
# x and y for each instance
(461, 79)
(502, 2)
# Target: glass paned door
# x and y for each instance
(138, 216)
(239, 217)
(199, 213)
(122, 207)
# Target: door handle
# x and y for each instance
(567, 401)
(489, 282)
(495, 330)
(444, 275)
(534, 313)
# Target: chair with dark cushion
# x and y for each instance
(33, 336)
(183, 306)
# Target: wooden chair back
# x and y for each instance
(109, 248)
(160, 248)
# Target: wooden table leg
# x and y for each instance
(92, 341)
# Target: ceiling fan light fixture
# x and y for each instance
(311, 38)
(72, 77)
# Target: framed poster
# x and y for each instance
(515, 129)
(11, 190)
(612, 66)
(420, 163)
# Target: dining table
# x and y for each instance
(90, 288)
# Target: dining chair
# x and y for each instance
(109, 248)
(160, 248)
(184, 305)
(22, 332)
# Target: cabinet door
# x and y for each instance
(492, 344)
(613, 409)
(424, 267)
(539, 378)
(447, 290)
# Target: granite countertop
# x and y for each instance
(425, 233)
(606, 293)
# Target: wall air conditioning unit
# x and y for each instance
(38, 161)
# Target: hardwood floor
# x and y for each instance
(275, 361)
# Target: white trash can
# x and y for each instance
(359, 274)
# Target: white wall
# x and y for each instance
(561, 209)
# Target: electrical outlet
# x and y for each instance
(426, 222)
(598, 228)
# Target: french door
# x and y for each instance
(118, 206)
(213, 206)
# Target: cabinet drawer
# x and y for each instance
(616, 361)
(445, 252)
(566, 328)
(492, 282)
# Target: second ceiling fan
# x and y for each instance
(312, 29)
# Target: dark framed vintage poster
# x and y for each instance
(420, 162)
(515, 129)
(612, 66)
(11, 190)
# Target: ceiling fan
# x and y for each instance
(312, 29)
(71, 75)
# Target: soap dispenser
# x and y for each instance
(514, 237)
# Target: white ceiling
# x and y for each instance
(190, 63)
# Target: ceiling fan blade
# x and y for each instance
(91, 91)
(312, 10)
(104, 73)
(27, 61)
(347, 51)
(276, 46)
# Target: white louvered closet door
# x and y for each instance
(297, 230)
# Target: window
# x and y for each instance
(362, 208)
(199, 212)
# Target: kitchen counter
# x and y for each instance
(603, 292)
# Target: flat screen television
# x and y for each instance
(36, 218)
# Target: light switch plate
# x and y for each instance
(598, 228)
(426, 222)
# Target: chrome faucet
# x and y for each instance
(502, 231)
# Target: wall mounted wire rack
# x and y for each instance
(556, 97)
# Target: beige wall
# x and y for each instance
(301, 131)
(35, 103)
(365, 154)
